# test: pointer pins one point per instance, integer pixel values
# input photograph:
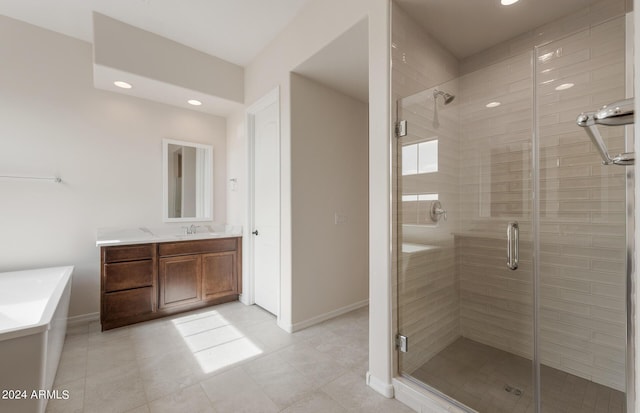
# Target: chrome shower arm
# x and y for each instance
(587, 121)
(614, 114)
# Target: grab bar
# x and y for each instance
(614, 114)
(513, 232)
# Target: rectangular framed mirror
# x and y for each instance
(187, 181)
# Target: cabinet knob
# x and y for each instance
(255, 232)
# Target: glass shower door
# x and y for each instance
(582, 224)
(464, 201)
(492, 169)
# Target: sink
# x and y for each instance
(199, 235)
(124, 236)
(202, 231)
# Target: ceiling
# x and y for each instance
(238, 30)
(233, 30)
(466, 27)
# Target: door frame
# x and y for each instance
(248, 296)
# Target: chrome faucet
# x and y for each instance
(193, 229)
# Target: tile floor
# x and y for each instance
(228, 358)
(476, 375)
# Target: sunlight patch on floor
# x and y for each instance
(214, 341)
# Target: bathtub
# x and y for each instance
(33, 325)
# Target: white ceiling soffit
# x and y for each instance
(466, 27)
(233, 30)
(158, 91)
(343, 65)
(162, 70)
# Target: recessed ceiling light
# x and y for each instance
(194, 102)
(508, 2)
(493, 104)
(565, 86)
(123, 85)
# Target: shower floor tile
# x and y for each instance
(479, 376)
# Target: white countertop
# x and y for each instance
(143, 235)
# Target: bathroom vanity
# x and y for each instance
(154, 276)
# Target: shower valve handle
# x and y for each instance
(437, 211)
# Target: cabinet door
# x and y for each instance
(220, 276)
(180, 280)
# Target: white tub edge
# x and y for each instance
(45, 321)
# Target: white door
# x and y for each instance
(266, 205)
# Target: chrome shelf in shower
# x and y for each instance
(614, 114)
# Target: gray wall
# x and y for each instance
(329, 175)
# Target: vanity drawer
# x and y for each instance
(197, 247)
(125, 304)
(128, 253)
(127, 275)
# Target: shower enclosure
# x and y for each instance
(512, 250)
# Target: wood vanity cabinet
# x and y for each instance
(128, 284)
(143, 282)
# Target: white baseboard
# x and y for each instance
(324, 317)
(244, 299)
(285, 326)
(422, 400)
(82, 319)
(382, 387)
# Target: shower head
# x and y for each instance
(448, 98)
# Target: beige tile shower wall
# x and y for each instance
(582, 249)
(427, 292)
(496, 304)
(495, 151)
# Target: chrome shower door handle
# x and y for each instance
(513, 241)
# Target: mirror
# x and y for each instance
(187, 181)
